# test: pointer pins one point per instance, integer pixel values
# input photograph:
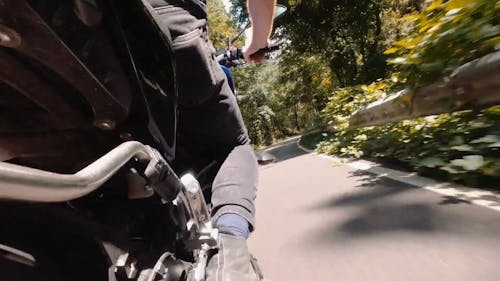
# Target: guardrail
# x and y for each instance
(474, 85)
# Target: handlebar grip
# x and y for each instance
(237, 54)
(268, 49)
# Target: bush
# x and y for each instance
(446, 35)
(462, 146)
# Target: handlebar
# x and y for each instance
(228, 58)
(269, 49)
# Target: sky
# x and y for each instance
(227, 4)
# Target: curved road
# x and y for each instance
(319, 222)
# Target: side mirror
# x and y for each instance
(264, 158)
(279, 11)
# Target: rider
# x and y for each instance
(211, 125)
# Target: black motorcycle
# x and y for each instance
(89, 183)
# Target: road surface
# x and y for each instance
(320, 222)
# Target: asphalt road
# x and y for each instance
(319, 222)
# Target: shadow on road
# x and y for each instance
(379, 213)
(366, 179)
(381, 219)
(371, 188)
(381, 206)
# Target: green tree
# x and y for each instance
(446, 35)
(327, 44)
(463, 146)
(221, 25)
(348, 35)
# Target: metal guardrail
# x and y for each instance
(475, 85)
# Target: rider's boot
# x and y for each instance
(233, 261)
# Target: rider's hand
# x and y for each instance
(261, 17)
(251, 48)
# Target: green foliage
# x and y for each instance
(303, 84)
(344, 101)
(328, 44)
(344, 34)
(447, 34)
(221, 25)
(254, 100)
(349, 37)
(334, 64)
(464, 146)
(275, 106)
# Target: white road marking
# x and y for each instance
(485, 198)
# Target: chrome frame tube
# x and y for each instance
(28, 184)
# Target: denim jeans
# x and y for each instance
(210, 122)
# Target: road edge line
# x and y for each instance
(480, 197)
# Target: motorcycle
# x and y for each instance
(89, 185)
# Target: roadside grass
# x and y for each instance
(311, 141)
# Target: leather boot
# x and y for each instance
(232, 262)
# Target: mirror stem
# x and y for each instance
(239, 33)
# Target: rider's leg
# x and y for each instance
(233, 224)
(211, 124)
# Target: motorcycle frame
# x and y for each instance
(80, 116)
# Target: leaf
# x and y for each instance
(487, 139)
(458, 4)
(399, 60)
(451, 170)
(408, 43)
(463, 147)
(434, 5)
(493, 42)
(495, 110)
(426, 25)
(411, 17)
(488, 31)
(362, 137)
(432, 162)
(469, 162)
(478, 124)
(493, 169)
(453, 12)
(497, 144)
(391, 51)
(458, 140)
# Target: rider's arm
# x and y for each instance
(261, 16)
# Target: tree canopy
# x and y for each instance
(337, 56)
